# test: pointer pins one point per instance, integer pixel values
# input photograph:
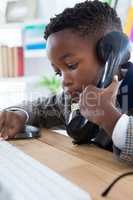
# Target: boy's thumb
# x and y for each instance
(113, 87)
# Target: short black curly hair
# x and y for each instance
(89, 18)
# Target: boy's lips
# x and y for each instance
(73, 93)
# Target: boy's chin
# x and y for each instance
(75, 99)
(74, 96)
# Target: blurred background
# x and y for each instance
(25, 72)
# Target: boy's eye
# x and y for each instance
(58, 73)
(72, 66)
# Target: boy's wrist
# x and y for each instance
(111, 116)
(22, 114)
(19, 111)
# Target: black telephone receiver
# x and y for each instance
(112, 50)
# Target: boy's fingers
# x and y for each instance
(1, 138)
(2, 120)
(4, 133)
(113, 87)
(5, 137)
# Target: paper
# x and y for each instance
(23, 178)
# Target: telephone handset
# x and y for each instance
(112, 50)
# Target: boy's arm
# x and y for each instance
(122, 136)
(44, 112)
(125, 151)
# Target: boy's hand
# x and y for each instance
(11, 123)
(98, 105)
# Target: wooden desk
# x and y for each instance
(88, 166)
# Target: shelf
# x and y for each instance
(35, 53)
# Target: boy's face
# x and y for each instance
(74, 59)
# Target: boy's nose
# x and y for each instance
(66, 84)
(66, 81)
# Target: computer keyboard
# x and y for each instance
(24, 178)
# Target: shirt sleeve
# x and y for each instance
(18, 109)
(43, 112)
(120, 132)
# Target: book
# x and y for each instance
(1, 63)
(20, 61)
(15, 59)
(5, 60)
(10, 59)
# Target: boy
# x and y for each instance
(71, 48)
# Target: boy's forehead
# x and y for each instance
(66, 40)
(62, 38)
(63, 34)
